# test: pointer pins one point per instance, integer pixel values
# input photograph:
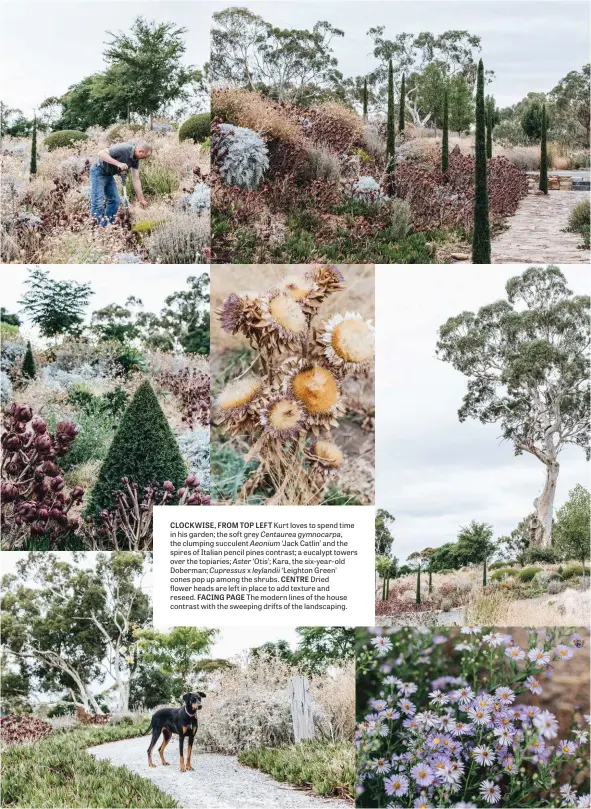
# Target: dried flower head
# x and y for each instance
(282, 318)
(298, 287)
(283, 417)
(326, 456)
(234, 405)
(328, 278)
(316, 387)
(348, 341)
(239, 313)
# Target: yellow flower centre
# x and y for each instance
(284, 414)
(352, 340)
(287, 313)
(239, 392)
(317, 388)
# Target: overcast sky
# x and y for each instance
(530, 45)
(47, 46)
(434, 474)
(110, 284)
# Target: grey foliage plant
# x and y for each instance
(241, 155)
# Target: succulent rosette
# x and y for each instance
(349, 342)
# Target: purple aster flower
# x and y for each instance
(562, 652)
(545, 722)
(514, 653)
(490, 792)
(483, 755)
(396, 785)
(565, 748)
(539, 656)
(533, 685)
(422, 774)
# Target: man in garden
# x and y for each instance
(119, 158)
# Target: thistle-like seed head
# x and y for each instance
(238, 393)
(327, 454)
(283, 417)
(316, 387)
(348, 340)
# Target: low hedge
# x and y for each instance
(528, 573)
(570, 571)
(64, 137)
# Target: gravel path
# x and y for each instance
(535, 233)
(216, 782)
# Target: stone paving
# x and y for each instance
(536, 232)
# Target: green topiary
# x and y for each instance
(445, 136)
(28, 368)
(390, 137)
(33, 164)
(197, 128)
(401, 107)
(144, 450)
(571, 571)
(365, 105)
(64, 137)
(528, 573)
(501, 572)
(481, 233)
(544, 153)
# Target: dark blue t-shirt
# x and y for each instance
(124, 153)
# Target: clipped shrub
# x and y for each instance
(446, 571)
(497, 565)
(528, 573)
(144, 449)
(570, 571)
(240, 155)
(543, 578)
(198, 200)
(196, 128)
(28, 368)
(64, 137)
(501, 572)
(182, 239)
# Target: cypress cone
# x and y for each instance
(33, 165)
(401, 111)
(390, 136)
(489, 129)
(445, 137)
(418, 596)
(544, 153)
(481, 234)
(484, 574)
(28, 368)
(144, 450)
(365, 105)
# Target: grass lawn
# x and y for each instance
(326, 769)
(59, 772)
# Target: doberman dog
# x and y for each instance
(182, 721)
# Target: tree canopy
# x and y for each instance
(55, 307)
(383, 536)
(572, 529)
(526, 360)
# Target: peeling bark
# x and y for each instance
(544, 505)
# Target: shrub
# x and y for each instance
(192, 390)
(240, 155)
(544, 577)
(196, 128)
(556, 586)
(143, 450)
(335, 126)
(528, 573)
(182, 239)
(571, 571)
(120, 132)
(157, 180)
(366, 189)
(5, 388)
(322, 164)
(400, 218)
(28, 368)
(194, 445)
(64, 137)
(326, 769)
(497, 565)
(446, 571)
(545, 555)
(580, 215)
(23, 729)
(198, 200)
(500, 573)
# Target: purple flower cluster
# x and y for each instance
(465, 740)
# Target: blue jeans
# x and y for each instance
(104, 197)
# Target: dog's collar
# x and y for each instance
(189, 714)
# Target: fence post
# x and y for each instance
(301, 709)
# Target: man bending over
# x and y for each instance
(104, 197)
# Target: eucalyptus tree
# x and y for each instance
(526, 359)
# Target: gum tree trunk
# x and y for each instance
(542, 535)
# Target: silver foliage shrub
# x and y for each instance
(181, 239)
(194, 446)
(5, 388)
(366, 189)
(242, 156)
(198, 200)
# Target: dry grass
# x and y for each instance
(249, 109)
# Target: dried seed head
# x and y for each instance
(298, 287)
(327, 453)
(287, 313)
(348, 340)
(316, 387)
(283, 417)
(238, 393)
